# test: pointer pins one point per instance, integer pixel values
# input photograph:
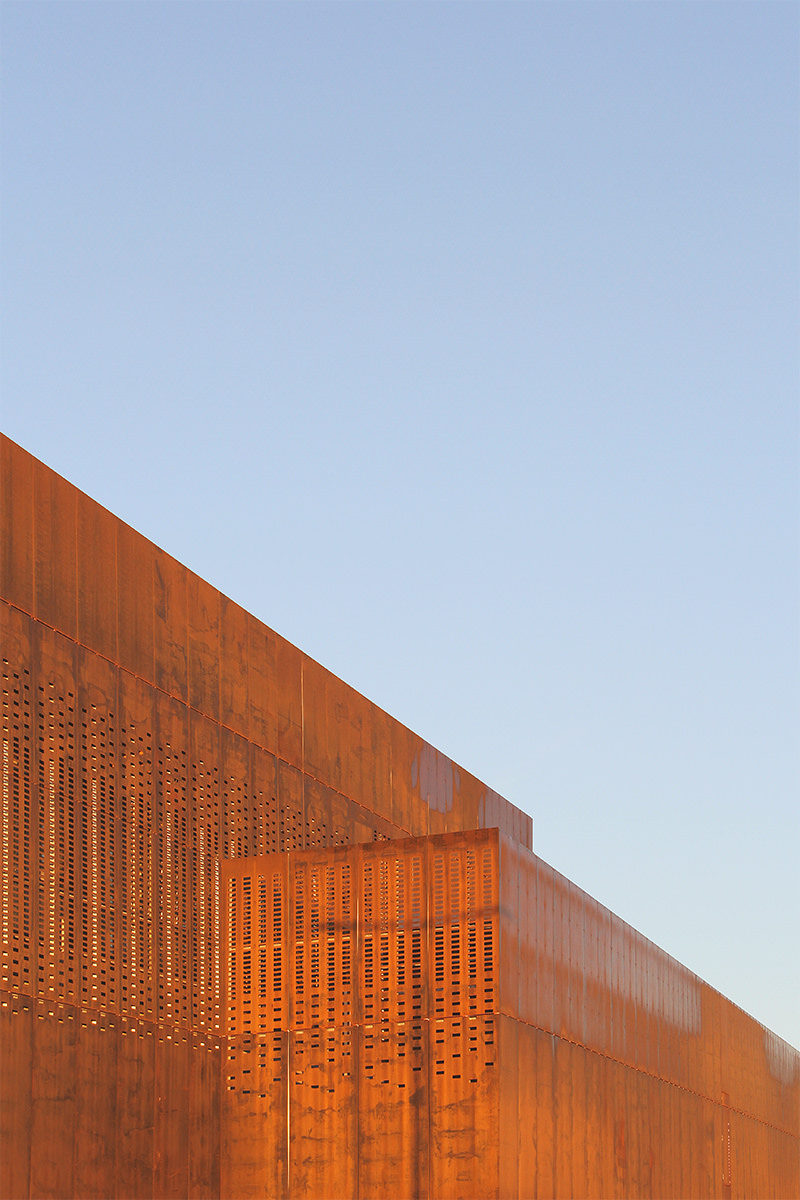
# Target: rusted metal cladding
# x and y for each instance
(151, 727)
(380, 964)
(424, 1059)
(634, 1077)
(439, 1014)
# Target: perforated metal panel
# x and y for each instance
(450, 1007)
(379, 961)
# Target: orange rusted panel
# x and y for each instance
(291, 820)
(341, 819)
(567, 1108)
(17, 541)
(409, 810)
(640, 1099)
(378, 789)
(203, 645)
(135, 1109)
(55, 1034)
(204, 1117)
(237, 795)
(600, 1127)
(509, 928)
(576, 972)
(95, 1105)
(254, 1107)
(135, 611)
(262, 683)
(526, 915)
(393, 1097)
(136, 849)
(545, 1115)
(545, 979)
(264, 775)
(464, 1109)
(97, 802)
(560, 955)
(55, 537)
(19, 813)
(323, 1112)
(97, 577)
(170, 602)
(289, 703)
(16, 1068)
(171, 1126)
(171, 875)
(52, 892)
(233, 666)
(510, 1135)
(321, 763)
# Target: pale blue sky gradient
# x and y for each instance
(459, 344)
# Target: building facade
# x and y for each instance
(259, 939)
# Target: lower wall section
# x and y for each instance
(391, 1110)
(487, 1108)
(591, 1126)
(94, 1106)
(98, 1106)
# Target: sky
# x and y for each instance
(459, 344)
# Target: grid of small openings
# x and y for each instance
(243, 837)
(463, 1049)
(392, 907)
(254, 1066)
(316, 826)
(136, 876)
(205, 965)
(98, 778)
(393, 1057)
(58, 960)
(257, 958)
(322, 949)
(290, 827)
(173, 912)
(268, 823)
(321, 1059)
(464, 931)
(340, 822)
(18, 969)
(265, 812)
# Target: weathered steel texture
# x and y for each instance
(445, 1015)
(79, 570)
(415, 984)
(16, 1072)
(96, 1105)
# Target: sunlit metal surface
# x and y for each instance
(398, 1015)
(446, 1015)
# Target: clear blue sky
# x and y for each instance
(459, 344)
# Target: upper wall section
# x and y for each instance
(75, 567)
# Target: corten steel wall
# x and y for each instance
(448, 1016)
(152, 727)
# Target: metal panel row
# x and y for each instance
(397, 931)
